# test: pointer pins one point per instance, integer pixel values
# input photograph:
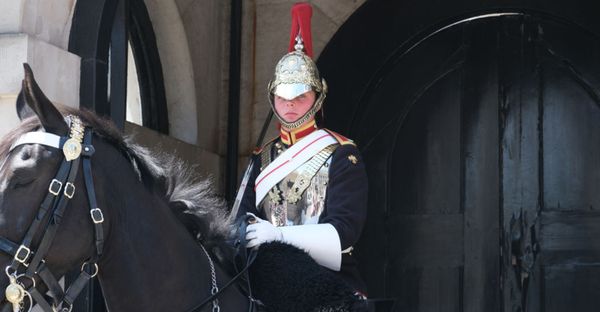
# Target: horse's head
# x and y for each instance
(143, 198)
(26, 190)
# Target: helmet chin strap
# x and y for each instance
(301, 127)
(290, 126)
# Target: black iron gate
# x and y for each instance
(481, 135)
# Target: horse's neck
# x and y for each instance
(151, 262)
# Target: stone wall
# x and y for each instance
(36, 32)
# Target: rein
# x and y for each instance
(246, 259)
(60, 191)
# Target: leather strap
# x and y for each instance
(246, 257)
(95, 212)
(54, 190)
(54, 288)
(8, 246)
(39, 299)
(44, 138)
(77, 286)
(54, 221)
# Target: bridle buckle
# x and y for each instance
(97, 215)
(69, 190)
(55, 187)
(22, 254)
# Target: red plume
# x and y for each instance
(301, 14)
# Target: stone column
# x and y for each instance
(36, 32)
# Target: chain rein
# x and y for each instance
(213, 279)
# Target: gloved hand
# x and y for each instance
(261, 232)
(321, 241)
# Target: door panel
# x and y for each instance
(482, 143)
(433, 154)
(569, 244)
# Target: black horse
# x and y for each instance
(158, 222)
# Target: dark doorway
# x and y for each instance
(481, 134)
(101, 32)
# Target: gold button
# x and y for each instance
(353, 159)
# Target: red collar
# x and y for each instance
(291, 137)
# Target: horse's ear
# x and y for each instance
(31, 94)
(23, 110)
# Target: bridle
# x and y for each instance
(76, 148)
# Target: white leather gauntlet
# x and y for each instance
(321, 241)
(261, 232)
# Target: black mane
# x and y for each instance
(193, 201)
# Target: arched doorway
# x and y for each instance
(102, 34)
(480, 127)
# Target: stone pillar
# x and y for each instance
(36, 32)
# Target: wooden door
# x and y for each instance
(482, 145)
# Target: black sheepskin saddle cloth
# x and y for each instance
(285, 278)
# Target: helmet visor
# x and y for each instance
(289, 91)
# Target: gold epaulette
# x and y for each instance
(340, 138)
(259, 150)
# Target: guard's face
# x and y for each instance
(292, 110)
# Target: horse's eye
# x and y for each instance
(26, 155)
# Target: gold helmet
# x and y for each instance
(296, 73)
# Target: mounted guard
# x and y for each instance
(307, 187)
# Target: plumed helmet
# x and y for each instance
(296, 73)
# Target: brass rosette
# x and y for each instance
(72, 147)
